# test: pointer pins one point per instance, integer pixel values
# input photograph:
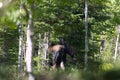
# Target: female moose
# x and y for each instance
(59, 53)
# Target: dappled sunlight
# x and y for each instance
(5, 3)
(1, 4)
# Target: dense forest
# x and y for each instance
(90, 29)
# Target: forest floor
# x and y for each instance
(9, 72)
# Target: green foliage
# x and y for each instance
(65, 18)
(106, 66)
(7, 72)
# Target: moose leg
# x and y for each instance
(62, 66)
(55, 58)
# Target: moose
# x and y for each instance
(59, 52)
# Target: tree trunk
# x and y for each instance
(86, 34)
(29, 46)
(21, 44)
(116, 47)
(39, 51)
(20, 54)
(102, 45)
(45, 55)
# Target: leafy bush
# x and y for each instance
(106, 66)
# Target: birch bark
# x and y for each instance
(29, 46)
(86, 34)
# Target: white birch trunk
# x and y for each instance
(39, 51)
(45, 55)
(20, 50)
(39, 46)
(116, 47)
(20, 54)
(86, 34)
(29, 46)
